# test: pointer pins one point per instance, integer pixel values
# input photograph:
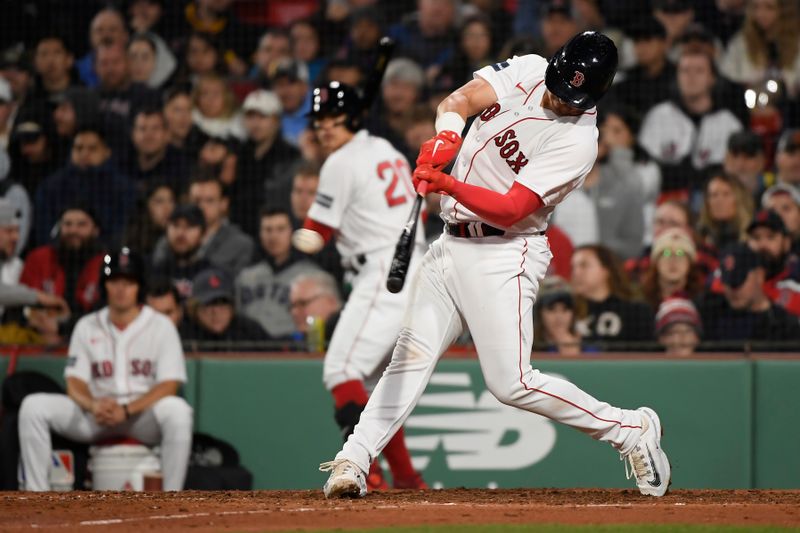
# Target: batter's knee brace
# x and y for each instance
(347, 416)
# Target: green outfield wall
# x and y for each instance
(728, 423)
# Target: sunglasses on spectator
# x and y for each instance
(673, 252)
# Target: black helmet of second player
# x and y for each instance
(122, 262)
(581, 72)
(336, 98)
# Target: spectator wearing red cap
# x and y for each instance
(785, 200)
(678, 327)
(744, 312)
(673, 268)
(767, 236)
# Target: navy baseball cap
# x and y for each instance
(767, 218)
(647, 28)
(789, 141)
(672, 6)
(736, 262)
(745, 142)
(212, 285)
(190, 213)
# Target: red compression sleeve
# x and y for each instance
(496, 208)
(325, 231)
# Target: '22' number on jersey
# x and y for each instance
(394, 172)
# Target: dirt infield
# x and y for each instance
(280, 510)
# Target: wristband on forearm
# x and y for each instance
(450, 121)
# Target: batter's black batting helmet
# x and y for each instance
(581, 72)
(336, 99)
(122, 262)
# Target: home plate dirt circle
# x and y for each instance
(281, 510)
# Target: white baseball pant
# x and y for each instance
(167, 423)
(488, 285)
(367, 330)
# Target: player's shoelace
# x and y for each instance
(639, 465)
(329, 466)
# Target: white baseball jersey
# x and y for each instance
(516, 139)
(366, 193)
(125, 364)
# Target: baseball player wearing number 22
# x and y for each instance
(532, 144)
(363, 197)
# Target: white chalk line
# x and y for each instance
(184, 516)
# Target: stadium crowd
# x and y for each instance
(179, 129)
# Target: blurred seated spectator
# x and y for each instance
(726, 212)
(306, 47)
(182, 132)
(591, 15)
(53, 65)
(16, 70)
(401, 90)
(178, 255)
(767, 46)
(149, 222)
(8, 109)
(74, 109)
(787, 160)
(151, 65)
(555, 319)
(558, 25)
(90, 177)
(164, 298)
(13, 293)
(343, 72)
(273, 48)
(420, 128)
(107, 28)
(648, 83)
(673, 214)
(619, 130)
(213, 319)
(615, 186)
(676, 16)
(16, 195)
(214, 108)
(201, 57)
(474, 51)
(746, 161)
(262, 290)
(69, 267)
(365, 29)
(34, 155)
(315, 296)
(290, 81)
(146, 16)
(679, 327)
(120, 97)
(601, 287)
(785, 200)
(687, 134)
(225, 246)
(673, 269)
(153, 159)
(217, 157)
(217, 19)
(427, 35)
(264, 164)
(744, 312)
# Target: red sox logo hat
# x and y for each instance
(578, 79)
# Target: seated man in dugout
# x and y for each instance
(103, 400)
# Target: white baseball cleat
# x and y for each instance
(648, 462)
(346, 480)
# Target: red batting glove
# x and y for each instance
(437, 180)
(438, 151)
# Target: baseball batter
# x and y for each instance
(124, 369)
(364, 194)
(532, 144)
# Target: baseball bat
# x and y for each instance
(405, 245)
(375, 77)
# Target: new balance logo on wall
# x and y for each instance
(475, 433)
